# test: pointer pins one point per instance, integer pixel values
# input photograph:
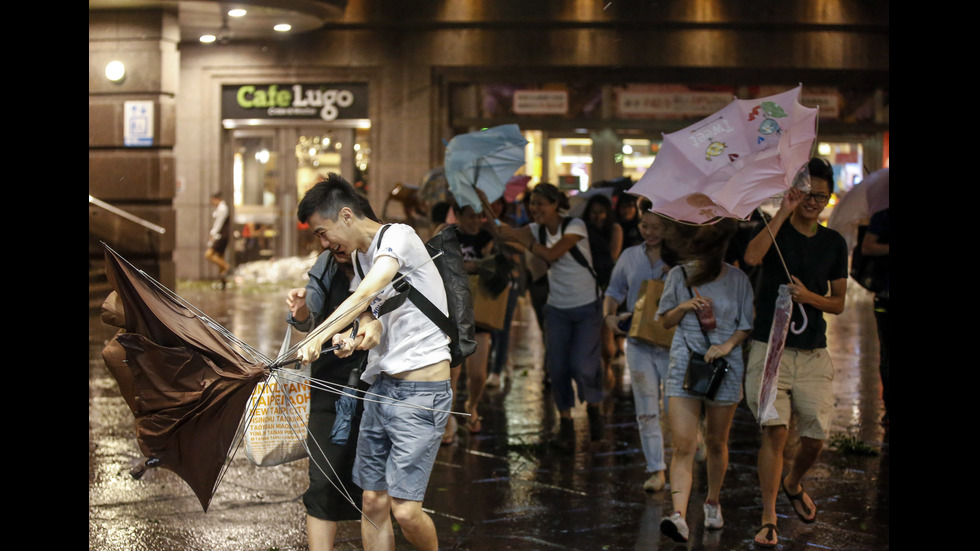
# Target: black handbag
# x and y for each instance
(704, 378)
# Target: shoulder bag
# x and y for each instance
(704, 378)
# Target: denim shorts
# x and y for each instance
(398, 443)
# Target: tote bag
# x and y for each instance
(277, 432)
(646, 325)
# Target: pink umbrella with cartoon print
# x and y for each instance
(727, 165)
(732, 161)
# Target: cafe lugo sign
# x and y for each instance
(328, 102)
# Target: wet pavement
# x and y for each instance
(505, 488)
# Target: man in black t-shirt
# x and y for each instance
(816, 258)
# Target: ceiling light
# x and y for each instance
(115, 71)
(208, 38)
(283, 27)
(237, 12)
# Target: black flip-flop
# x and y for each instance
(773, 533)
(799, 497)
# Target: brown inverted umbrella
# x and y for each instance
(188, 382)
(187, 379)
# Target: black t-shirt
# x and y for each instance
(472, 245)
(879, 226)
(816, 261)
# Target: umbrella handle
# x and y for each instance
(331, 348)
(792, 326)
(353, 333)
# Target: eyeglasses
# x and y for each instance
(819, 198)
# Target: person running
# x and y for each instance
(702, 282)
(816, 258)
(408, 362)
(218, 237)
(573, 312)
(331, 464)
(647, 362)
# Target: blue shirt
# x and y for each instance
(631, 270)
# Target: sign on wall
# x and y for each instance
(326, 102)
(541, 102)
(138, 123)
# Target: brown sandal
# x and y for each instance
(799, 497)
(474, 425)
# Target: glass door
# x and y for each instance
(320, 150)
(256, 185)
(271, 169)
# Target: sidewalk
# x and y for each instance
(504, 488)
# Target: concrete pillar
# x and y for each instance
(136, 178)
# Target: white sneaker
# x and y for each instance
(712, 517)
(675, 527)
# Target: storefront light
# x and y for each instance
(824, 149)
(283, 27)
(115, 71)
(208, 38)
(236, 12)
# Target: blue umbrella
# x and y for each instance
(485, 159)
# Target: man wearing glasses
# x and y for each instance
(816, 258)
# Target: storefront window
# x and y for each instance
(636, 156)
(319, 152)
(847, 160)
(570, 162)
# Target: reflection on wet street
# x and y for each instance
(506, 487)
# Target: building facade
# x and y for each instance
(377, 87)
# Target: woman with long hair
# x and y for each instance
(700, 284)
(606, 243)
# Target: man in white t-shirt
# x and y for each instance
(408, 361)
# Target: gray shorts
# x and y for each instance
(397, 444)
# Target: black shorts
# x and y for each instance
(322, 499)
(219, 245)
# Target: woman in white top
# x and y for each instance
(573, 312)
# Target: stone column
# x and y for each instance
(138, 178)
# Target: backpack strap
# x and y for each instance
(576, 254)
(406, 291)
(357, 264)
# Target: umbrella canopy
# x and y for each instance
(187, 379)
(856, 207)
(515, 186)
(189, 385)
(485, 159)
(729, 163)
